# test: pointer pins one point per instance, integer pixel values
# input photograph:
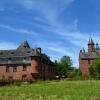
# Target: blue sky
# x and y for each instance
(59, 27)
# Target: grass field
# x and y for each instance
(53, 90)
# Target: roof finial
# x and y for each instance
(83, 50)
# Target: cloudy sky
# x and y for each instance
(59, 27)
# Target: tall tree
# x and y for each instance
(66, 61)
(62, 66)
(95, 68)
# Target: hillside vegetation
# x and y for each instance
(52, 90)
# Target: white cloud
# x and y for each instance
(25, 31)
(57, 47)
(49, 9)
(26, 3)
(53, 48)
(57, 50)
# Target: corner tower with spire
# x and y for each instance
(86, 58)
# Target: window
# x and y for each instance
(28, 51)
(24, 67)
(1, 53)
(37, 68)
(12, 53)
(24, 59)
(10, 77)
(49, 70)
(14, 69)
(9, 58)
(24, 77)
(89, 61)
(7, 68)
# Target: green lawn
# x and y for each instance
(53, 90)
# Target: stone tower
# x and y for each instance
(91, 47)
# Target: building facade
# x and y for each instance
(87, 58)
(25, 63)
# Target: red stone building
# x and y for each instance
(25, 63)
(87, 58)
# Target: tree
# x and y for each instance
(61, 67)
(3, 78)
(95, 69)
(66, 61)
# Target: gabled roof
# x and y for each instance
(23, 50)
(21, 55)
(17, 56)
(23, 46)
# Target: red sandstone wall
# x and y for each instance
(84, 67)
(33, 71)
(91, 48)
(50, 73)
(19, 73)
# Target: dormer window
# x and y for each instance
(9, 58)
(1, 53)
(12, 52)
(38, 50)
(24, 59)
(25, 46)
(28, 52)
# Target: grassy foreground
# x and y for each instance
(53, 90)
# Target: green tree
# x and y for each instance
(95, 69)
(62, 66)
(66, 61)
(60, 69)
(3, 78)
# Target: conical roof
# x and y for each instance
(97, 46)
(83, 50)
(91, 41)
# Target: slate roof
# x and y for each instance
(21, 55)
(23, 46)
(91, 55)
